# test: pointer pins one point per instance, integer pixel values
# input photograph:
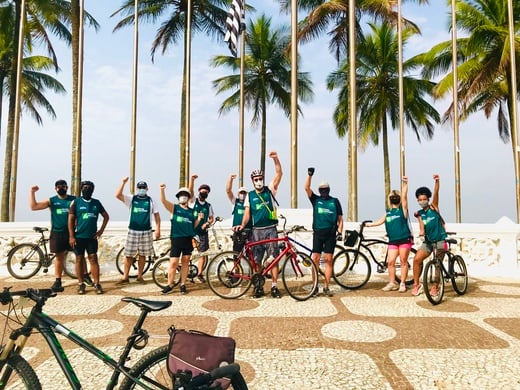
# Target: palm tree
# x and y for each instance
(208, 16)
(378, 93)
(267, 76)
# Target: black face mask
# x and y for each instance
(203, 195)
(395, 200)
(62, 191)
(324, 193)
(86, 193)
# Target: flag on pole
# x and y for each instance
(234, 23)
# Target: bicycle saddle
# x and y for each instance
(150, 305)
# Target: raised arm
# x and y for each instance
(229, 187)
(278, 171)
(404, 195)
(166, 203)
(191, 186)
(308, 179)
(119, 192)
(33, 204)
(436, 186)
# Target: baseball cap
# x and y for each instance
(323, 184)
(142, 184)
(204, 187)
(242, 189)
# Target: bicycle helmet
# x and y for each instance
(86, 183)
(423, 191)
(256, 173)
(183, 190)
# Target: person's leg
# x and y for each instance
(94, 267)
(404, 252)
(174, 264)
(328, 269)
(392, 256)
(59, 264)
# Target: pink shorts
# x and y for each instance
(406, 245)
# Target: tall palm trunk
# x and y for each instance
(9, 139)
(76, 125)
(263, 141)
(386, 158)
(183, 179)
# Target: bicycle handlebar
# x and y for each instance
(33, 294)
(227, 371)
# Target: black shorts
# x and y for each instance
(59, 242)
(203, 242)
(323, 241)
(181, 246)
(86, 244)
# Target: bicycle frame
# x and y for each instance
(48, 327)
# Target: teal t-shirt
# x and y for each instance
(325, 212)
(238, 214)
(87, 213)
(182, 222)
(140, 210)
(60, 212)
(204, 208)
(396, 225)
(262, 209)
(433, 229)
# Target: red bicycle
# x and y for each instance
(231, 274)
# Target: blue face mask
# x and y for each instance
(141, 192)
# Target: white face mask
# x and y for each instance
(183, 199)
(423, 203)
(259, 184)
(141, 192)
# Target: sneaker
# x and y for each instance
(183, 290)
(167, 290)
(140, 281)
(87, 280)
(402, 288)
(275, 293)
(417, 289)
(390, 287)
(259, 293)
(57, 287)
(434, 291)
(201, 279)
(81, 289)
(99, 289)
(327, 292)
(122, 282)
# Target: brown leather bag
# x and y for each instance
(199, 353)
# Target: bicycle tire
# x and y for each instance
(69, 266)
(459, 274)
(321, 268)
(433, 277)
(409, 276)
(341, 265)
(120, 263)
(152, 370)
(16, 372)
(300, 276)
(160, 272)
(24, 260)
(357, 269)
(227, 277)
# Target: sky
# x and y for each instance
(487, 171)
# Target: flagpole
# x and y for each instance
(188, 92)
(294, 104)
(242, 99)
(455, 111)
(515, 140)
(401, 91)
(134, 99)
(352, 133)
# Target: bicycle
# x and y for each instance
(231, 274)
(160, 269)
(150, 372)
(156, 255)
(351, 267)
(435, 273)
(26, 259)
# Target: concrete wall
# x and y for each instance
(488, 249)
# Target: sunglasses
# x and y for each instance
(257, 179)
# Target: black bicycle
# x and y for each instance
(26, 259)
(150, 372)
(436, 274)
(351, 267)
(160, 250)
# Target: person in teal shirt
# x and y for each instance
(84, 233)
(400, 238)
(59, 205)
(237, 213)
(183, 224)
(431, 227)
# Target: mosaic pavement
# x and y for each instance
(365, 339)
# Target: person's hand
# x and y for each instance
(237, 228)
(310, 171)
(273, 154)
(339, 237)
(436, 177)
(194, 176)
(162, 186)
(125, 179)
(34, 188)
(405, 179)
(233, 176)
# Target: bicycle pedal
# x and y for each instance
(45, 270)
(380, 270)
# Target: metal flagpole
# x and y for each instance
(188, 93)
(401, 90)
(514, 107)
(16, 135)
(134, 99)
(242, 100)
(79, 96)
(455, 111)
(352, 145)
(294, 104)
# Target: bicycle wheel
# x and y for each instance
(356, 267)
(24, 260)
(16, 373)
(340, 266)
(299, 276)
(459, 274)
(433, 282)
(321, 268)
(227, 276)
(120, 264)
(70, 265)
(160, 272)
(409, 276)
(151, 370)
